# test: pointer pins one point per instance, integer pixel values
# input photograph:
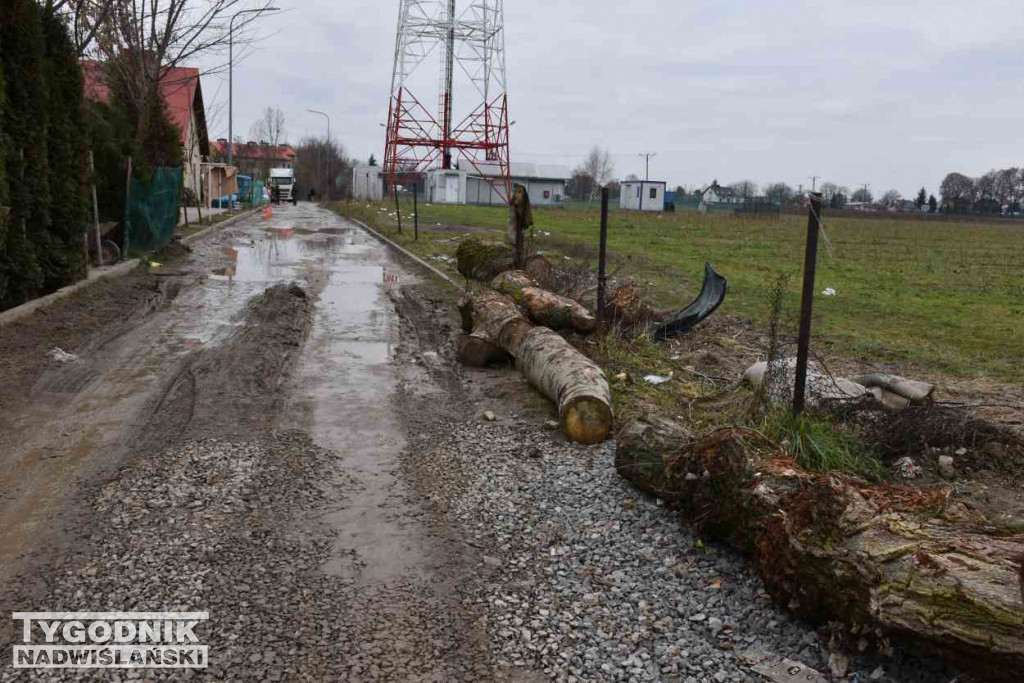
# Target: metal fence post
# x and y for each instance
(127, 210)
(416, 208)
(398, 208)
(602, 258)
(807, 301)
(95, 211)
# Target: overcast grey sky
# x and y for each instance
(893, 93)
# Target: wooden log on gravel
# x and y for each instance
(544, 307)
(893, 562)
(576, 384)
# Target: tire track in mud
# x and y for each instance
(234, 389)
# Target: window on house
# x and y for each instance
(654, 193)
(547, 194)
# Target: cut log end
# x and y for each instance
(587, 420)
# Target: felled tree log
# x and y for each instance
(574, 382)
(891, 561)
(544, 307)
(482, 261)
(627, 310)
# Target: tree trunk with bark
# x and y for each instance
(483, 261)
(544, 307)
(575, 383)
(888, 561)
(627, 310)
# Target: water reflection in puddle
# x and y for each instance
(278, 255)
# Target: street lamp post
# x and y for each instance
(231, 73)
(323, 114)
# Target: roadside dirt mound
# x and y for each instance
(235, 388)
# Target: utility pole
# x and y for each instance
(647, 165)
(329, 154)
(814, 182)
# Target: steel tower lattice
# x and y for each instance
(471, 46)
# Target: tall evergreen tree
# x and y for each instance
(3, 154)
(63, 261)
(933, 204)
(25, 118)
(922, 199)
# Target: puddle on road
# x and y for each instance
(346, 378)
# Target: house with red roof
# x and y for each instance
(182, 92)
(255, 158)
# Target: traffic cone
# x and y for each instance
(268, 212)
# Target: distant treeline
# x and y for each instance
(996, 192)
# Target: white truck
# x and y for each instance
(282, 182)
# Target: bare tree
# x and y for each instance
(140, 40)
(269, 127)
(891, 200)
(85, 17)
(778, 192)
(323, 166)
(830, 190)
(862, 195)
(1007, 184)
(599, 168)
(744, 188)
(958, 192)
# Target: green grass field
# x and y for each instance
(934, 294)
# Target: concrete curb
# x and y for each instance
(217, 226)
(405, 252)
(29, 307)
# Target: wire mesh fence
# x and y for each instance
(153, 209)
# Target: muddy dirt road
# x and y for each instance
(252, 406)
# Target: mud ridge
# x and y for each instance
(237, 387)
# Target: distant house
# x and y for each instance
(642, 195)
(255, 159)
(182, 93)
(718, 194)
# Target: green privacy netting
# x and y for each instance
(250, 191)
(257, 193)
(153, 210)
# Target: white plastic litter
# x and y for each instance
(657, 379)
(907, 468)
(829, 292)
(62, 356)
(778, 669)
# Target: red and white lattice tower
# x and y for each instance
(469, 131)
